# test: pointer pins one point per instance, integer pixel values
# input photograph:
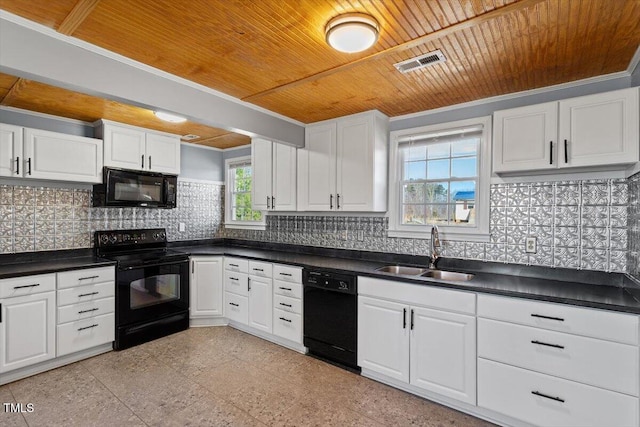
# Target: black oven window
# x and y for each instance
(154, 290)
(138, 191)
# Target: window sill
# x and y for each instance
(444, 235)
(261, 227)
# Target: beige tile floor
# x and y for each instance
(215, 377)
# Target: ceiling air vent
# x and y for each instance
(421, 61)
(189, 137)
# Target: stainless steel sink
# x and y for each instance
(402, 270)
(448, 275)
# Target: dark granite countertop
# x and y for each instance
(611, 291)
(49, 262)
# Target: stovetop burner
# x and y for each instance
(133, 248)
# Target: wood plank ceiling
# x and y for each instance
(272, 53)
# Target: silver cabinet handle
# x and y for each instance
(88, 311)
(88, 277)
(149, 162)
(88, 295)
(550, 152)
(286, 305)
(193, 266)
(331, 201)
(540, 316)
(284, 289)
(273, 202)
(547, 344)
(249, 284)
(234, 304)
(404, 318)
(143, 161)
(338, 201)
(88, 327)
(26, 286)
(285, 274)
(17, 165)
(268, 206)
(546, 396)
(29, 165)
(286, 320)
(566, 152)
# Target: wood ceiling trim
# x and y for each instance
(468, 24)
(14, 92)
(78, 14)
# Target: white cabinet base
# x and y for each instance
(291, 345)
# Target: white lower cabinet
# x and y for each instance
(27, 329)
(545, 400)
(86, 312)
(236, 308)
(557, 365)
(428, 346)
(206, 287)
(287, 303)
(260, 303)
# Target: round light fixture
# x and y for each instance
(352, 32)
(168, 117)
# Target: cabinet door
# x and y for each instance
(443, 353)
(11, 159)
(354, 160)
(124, 147)
(525, 138)
(383, 337)
(317, 169)
(260, 303)
(163, 153)
(27, 330)
(599, 129)
(206, 286)
(52, 155)
(284, 178)
(261, 170)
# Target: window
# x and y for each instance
(238, 212)
(440, 175)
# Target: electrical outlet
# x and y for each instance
(360, 235)
(343, 235)
(531, 245)
(182, 226)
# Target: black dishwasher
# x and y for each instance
(330, 316)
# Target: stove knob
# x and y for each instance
(113, 238)
(156, 236)
(104, 238)
(163, 235)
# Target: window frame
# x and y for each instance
(477, 233)
(229, 222)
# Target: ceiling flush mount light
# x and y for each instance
(352, 32)
(168, 117)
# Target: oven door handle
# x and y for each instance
(157, 264)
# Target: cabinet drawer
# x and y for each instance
(425, 296)
(591, 361)
(286, 273)
(89, 276)
(27, 285)
(236, 264)
(236, 308)
(293, 290)
(589, 322)
(85, 293)
(510, 391)
(73, 312)
(238, 283)
(261, 269)
(291, 305)
(287, 325)
(83, 334)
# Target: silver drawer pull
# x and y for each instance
(88, 311)
(88, 295)
(88, 327)
(284, 289)
(286, 305)
(286, 274)
(286, 320)
(258, 269)
(546, 344)
(234, 278)
(26, 286)
(546, 396)
(234, 265)
(89, 277)
(234, 304)
(559, 319)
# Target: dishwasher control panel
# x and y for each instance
(329, 280)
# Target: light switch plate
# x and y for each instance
(360, 235)
(531, 245)
(182, 226)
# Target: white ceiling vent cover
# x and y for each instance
(421, 61)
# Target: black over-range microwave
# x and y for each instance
(129, 188)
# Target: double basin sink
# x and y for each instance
(451, 276)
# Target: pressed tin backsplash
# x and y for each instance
(579, 224)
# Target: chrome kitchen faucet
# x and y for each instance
(435, 245)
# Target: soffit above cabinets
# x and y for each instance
(33, 96)
(272, 53)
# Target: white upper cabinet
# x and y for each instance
(40, 154)
(589, 131)
(129, 147)
(343, 166)
(10, 150)
(274, 176)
